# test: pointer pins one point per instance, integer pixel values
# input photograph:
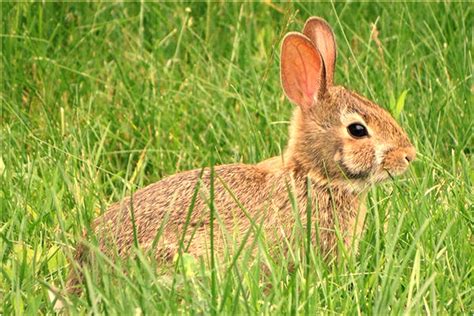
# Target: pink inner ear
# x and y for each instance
(301, 70)
(320, 33)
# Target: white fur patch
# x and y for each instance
(380, 151)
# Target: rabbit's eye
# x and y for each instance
(357, 130)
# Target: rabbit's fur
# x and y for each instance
(323, 165)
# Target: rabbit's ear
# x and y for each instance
(301, 69)
(320, 33)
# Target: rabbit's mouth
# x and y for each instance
(388, 174)
(397, 169)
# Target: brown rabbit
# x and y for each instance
(340, 143)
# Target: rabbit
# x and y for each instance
(340, 143)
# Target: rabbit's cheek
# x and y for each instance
(358, 159)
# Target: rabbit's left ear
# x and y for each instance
(301, 70)
(320, 33)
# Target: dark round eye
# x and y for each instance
(357, 130)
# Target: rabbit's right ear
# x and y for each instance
(302, 70)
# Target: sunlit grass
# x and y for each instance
(100, 99)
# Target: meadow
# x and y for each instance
(99, 99)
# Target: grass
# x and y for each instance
(100, 99)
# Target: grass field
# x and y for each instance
(100, 99)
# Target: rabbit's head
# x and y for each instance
(336, 134)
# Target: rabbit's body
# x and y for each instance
(262, 198)
(340, 143)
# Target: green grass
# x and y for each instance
(100, 99)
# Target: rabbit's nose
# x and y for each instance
(410, 154)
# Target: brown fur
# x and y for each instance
(260, 191)
(339, 169)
